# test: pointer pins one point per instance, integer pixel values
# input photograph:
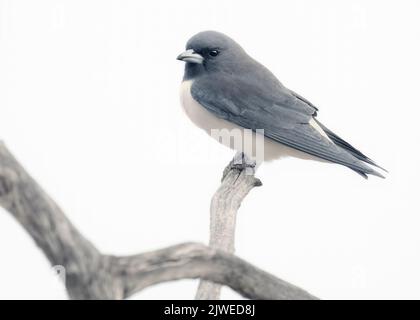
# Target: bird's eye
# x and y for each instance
(214, 53)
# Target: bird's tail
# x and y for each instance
(365, 162)
(364, 173)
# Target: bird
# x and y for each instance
(224, 89)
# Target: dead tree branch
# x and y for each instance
(237, 181)
(91, 274)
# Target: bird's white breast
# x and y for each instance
(207, 121)
(198, 114)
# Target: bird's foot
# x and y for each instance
(241, 162)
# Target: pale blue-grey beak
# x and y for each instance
(191, 56)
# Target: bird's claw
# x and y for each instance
(241, 163)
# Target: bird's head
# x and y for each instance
(211, 51)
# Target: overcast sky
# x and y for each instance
(89, 103)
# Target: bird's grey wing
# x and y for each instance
(284, 117)
(298, 96)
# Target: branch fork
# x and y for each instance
(91, 274)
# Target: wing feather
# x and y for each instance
(283, 115)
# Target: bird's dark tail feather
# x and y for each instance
(364, 174)
(356, 153)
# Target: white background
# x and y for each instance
(89, 104)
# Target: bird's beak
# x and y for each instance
(191, 56)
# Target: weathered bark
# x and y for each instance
(237, 181)
(91, 274)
